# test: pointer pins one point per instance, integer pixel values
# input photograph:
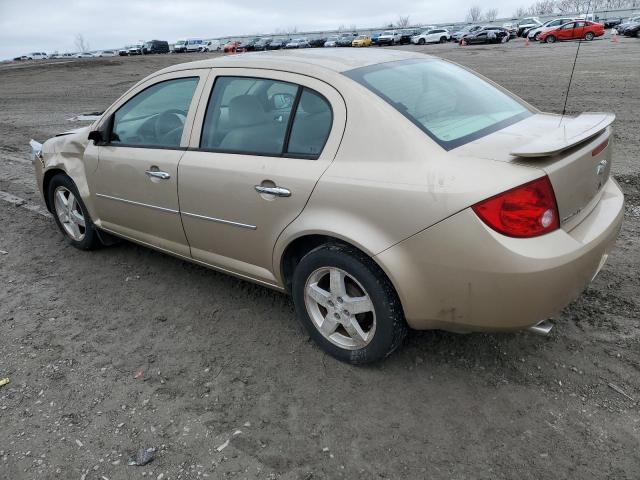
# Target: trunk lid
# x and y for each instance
(564, 148)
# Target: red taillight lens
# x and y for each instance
(598, 150)
(525, 211)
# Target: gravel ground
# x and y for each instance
(126, 348)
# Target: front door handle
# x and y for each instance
(277, 191)
(158, 174)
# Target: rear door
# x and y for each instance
(260, 142)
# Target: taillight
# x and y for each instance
(525, 211)
(598, 150)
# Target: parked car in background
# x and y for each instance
(277, 44)
(486, 35)
(456, 36)
(193, 44)
(180, 46)
(512, 28)
(210, 46)
(437, 35)
(361, 41)
(317, 42)
(124, 51)
(37, 56)
(136, 49)
(574, 30)
(231, 46)
(612, 22)
(301, 42)
(262, 44)
(389, 37)
(106, 53)
(528, 23)
(406, 34)
(346, 39)
(374, 37)
(534, 33)
(84, 55)
(332, 41)
(248, 44)
(62, 55)
(627, 23)
(523, 218)
(632, 30)
(155, 46)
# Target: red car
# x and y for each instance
(574, 30)
(231, 47)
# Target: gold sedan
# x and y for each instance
(361, 41)
(382, 189)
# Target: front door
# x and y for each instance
(566, 32)
(256, 153)
(135, 184)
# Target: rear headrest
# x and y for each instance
(313, 103)
(245, 111)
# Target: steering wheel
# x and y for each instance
(169, 122)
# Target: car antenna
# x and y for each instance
(575, 60)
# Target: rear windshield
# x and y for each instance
(450, 104)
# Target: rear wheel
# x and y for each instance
(443, 39)
(589, 36)
(535, 37)
(347, 304)
(70, 213)
(550, 39)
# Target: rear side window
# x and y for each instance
(258, 116)
(155, 117)
(450, 104)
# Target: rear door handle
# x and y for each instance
(277, 191)
(158, 174)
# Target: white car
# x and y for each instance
(389, 37)
(550, 25)
(193, 45)
(527, 24)
(106, 53)
(136, 49)
(37, 56)
(436, 35)
(211, 46)
(298, 43)
(84, 55)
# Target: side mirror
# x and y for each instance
(96, 136)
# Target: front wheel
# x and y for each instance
(347, 304)
(550, 39)
(589, 36)
(70, 213)
(422, 41)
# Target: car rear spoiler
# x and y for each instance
(569, 133)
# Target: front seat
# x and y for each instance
(251, 129)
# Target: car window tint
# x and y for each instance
(248, 115)
(311, 125)
(155, 117)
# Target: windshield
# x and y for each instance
(388, 32)
(180, 42)
(450, 104)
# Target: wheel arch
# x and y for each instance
(46, 180)
(298, 247)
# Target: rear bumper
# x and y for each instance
(460, 275)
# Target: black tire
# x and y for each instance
(589, 36)
(535, 37)
(443, 39)
(550, 39)
(90, 240)
(390, 325)
(422, 41)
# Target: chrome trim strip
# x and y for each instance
(220, 220)
(139, 204)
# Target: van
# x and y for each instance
(194, 44)
(155, 46)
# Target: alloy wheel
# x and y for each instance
(69, 213)
(340, 308)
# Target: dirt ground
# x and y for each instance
(125, 348)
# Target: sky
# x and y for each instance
(50, 25)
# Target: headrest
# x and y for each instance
(245, 111)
